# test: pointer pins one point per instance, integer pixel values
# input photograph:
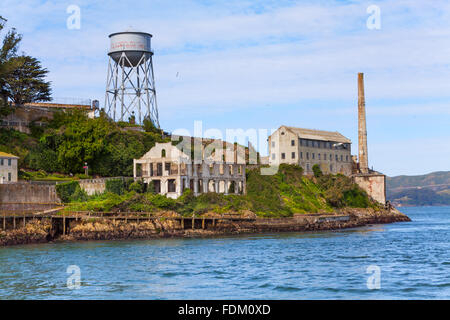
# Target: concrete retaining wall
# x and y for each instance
(28, 193)
(374, 185)
(93, 186)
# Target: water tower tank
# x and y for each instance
(133, 44)
(130, 83)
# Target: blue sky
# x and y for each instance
(261, 64)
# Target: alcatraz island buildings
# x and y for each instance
(171, 173)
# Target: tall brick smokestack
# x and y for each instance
(362, 129)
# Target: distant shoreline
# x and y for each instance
(415, 205)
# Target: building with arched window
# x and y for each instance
(216, 167)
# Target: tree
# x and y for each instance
(26, 83)
(149, 126)
(8, 50)
(21, 77)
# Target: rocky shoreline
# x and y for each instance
(87, 230)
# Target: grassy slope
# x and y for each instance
(281, 195)
(16, 143)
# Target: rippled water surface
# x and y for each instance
(414, 259)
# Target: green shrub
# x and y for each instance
(66, 190)
(137, 186)
(79, 195)
(116, 186)
(163, 202)
(341, 191)
(317, 171)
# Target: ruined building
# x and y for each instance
(373, 182)
(306, 147)
(217, 167)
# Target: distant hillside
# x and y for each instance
(431, 189)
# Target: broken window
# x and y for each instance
(171, 185)
(159, 169)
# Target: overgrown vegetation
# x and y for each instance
(71, 139)
(280, 195)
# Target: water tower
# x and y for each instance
(130, 84)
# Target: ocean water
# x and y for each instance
(406, 260)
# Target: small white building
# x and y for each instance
(8, 168)
(215, 169)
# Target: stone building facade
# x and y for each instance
(8, 168)
(172, 171)
(306, 147)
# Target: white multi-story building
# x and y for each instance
(171, 170)
(306, 147)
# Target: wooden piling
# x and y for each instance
(24, 220)
(203, 223)
(64, 225)
(182, 223)
(193, 223)
(4, 221)
(14, 222)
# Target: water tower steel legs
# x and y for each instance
(135, 88)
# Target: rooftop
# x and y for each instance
(319, 135)
(7, 155)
